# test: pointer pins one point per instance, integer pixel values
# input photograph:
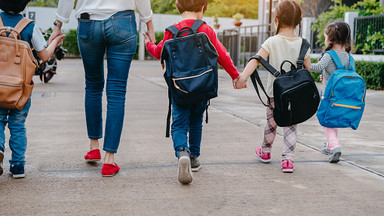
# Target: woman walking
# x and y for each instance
(105, 27)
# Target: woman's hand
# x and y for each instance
(146, 38)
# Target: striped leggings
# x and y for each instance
(290, 136)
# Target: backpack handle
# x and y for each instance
(184, 30)
(293, 67)
(15, 36)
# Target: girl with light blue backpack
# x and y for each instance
(343, 97)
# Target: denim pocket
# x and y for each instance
(85, 29)
(122, 26)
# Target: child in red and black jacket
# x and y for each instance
(188, 119)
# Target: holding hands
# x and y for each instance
(241, 81)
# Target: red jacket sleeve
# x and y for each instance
(155, 50)
(224, 59)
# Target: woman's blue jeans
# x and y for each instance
(187, 119)
(117, 37)
(16, 123)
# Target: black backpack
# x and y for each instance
(295, 92)
(191, 67)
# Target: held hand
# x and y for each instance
(321, 77)
(57, 41)
(146, 38)
(234, 82)
(151, 35)
(56, 32)
(241, 82)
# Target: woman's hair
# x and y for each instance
(288, 13)
(338, 32)
(191, 5)
(14, 6)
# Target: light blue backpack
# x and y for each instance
(344, 97)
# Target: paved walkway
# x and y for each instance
(231, 182)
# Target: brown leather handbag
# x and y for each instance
(17, 66)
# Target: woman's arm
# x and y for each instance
(64, 10)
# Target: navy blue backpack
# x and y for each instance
(191, 67)
(344, 97)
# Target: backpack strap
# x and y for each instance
(351, 62)
(168, 127)
(335, 59)
(2, 26)
(267, 66)
(173, 29)
(303, 50)
(196, 25)
(1, 22)
(22, 24)
(255, 78)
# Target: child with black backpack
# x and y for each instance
(12, 22)
(285, 45)
(342, 108)
(187, 118)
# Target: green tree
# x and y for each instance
(337, 12)
(164, 6)
(221, 8)
(44, 3)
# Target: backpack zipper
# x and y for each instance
(11, 85)
(346, 106)
(190, 77)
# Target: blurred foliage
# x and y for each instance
(44, 3)
(337, 11)
(220, 8)
(70, 43)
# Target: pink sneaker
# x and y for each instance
(287, 166)
(264, 157)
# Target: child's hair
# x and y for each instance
(14, 6)
(288, 13)
(338, 32)
(191, 5)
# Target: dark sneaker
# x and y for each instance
(195, 164)
(184, 173)
(335, 156)
(1, 162)
(17, 171)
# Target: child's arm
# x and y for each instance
(224, 60)
(322, 64)
(250, 68)
(45, 54)
(152, 48)
(307, 63)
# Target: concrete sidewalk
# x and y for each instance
(231, 182)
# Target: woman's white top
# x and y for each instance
(103, 9)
